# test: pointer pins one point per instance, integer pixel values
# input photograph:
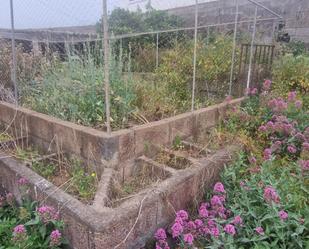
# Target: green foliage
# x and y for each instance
(292, 73)
(248, 202)
(74, 91)
(213, 68)
(82, 182)
(296, 48)
(37, 232)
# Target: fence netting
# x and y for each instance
(165, 57)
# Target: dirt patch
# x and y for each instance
(71, 175)
(172, 160)
(144, 175)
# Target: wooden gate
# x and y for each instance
(262, 61)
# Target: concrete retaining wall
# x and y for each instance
(97, 146)
(132, 222)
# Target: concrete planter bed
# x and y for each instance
(137, 191)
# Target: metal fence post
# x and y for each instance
(106, 66)
(157, 51)
(234, 48)
(194, 55)
(13, 73)
(251, 48)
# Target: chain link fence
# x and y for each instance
(164, 58)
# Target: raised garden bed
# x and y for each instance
(71, 175)
(134, 193)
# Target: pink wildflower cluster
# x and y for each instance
(277, 105)
(283, 215)
(206, 225)
(259, 230)
(55, 238)
(271, 195)
(19, 233)
(47, 214)
(267, 85)
(22, 181)
(251, 91)
(304, 164)
(285, 137)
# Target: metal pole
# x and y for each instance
(106, 67)
(13, 73)
(234, 48)
(194, 55)
(251, 48)
(157, 52)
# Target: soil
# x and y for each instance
(172, 160)
(61, 177)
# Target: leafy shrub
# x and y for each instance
(74, 91)
(263, 200)
(213, 69)
(292, 74)
(29, 225)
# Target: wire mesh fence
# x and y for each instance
(156, 60)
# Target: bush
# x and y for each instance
(29, 225)
(292, 74)
(263, 199)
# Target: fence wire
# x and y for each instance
(164, 57)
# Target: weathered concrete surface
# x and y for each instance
(97, 146)
(99, 226)
(140, 216)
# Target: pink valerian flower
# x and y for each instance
(230, 229)
(259, 230)
(214, 231)
(203, 212)
(305, 146)
(160, 234)
(216, 201)
(251, 91)
(283, 215)
(270, 195)
(266, 85)
(300, 136)
(182, 214)
(292, 149)
(304, 165)
(177, 229)
(55, 238)
(47, 213)
(219, 188)
(277, 105)
(252, 160)
(267, 154)
(237, 220)
(276, 146)
(254, 91)
(19, 233)
(191, 226)
(22, 181)
(19, 229)
(298, 104)
(188, 239)
(262, 128)
(270, 126)
(199, 223)
(291, 96)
